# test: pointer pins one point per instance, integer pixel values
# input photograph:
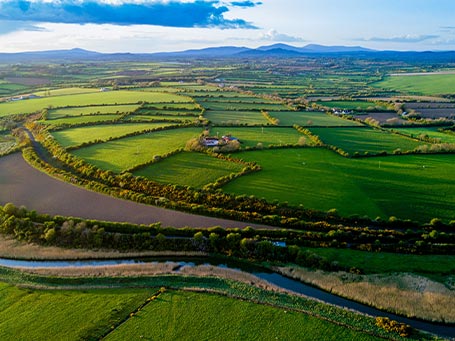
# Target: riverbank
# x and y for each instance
(404, 294)
(14, 249)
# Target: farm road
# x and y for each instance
(22, 184)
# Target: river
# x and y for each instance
(272, 277)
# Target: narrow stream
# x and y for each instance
(274, 278)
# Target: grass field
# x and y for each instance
(63, 315)
(98, 98)
(82, 119)
(384, 262)
(310, 118)
(178, 315)
(128, 152)
(352, 105)
(66, 91)
(244, 106)
(189, 169)
(160, 118)
(431, 84)
(80, 111)
(250, 137)
(418, 187)
(174, 106)
(77, 136)
(431, 132)
(363, 140)
(222, 117)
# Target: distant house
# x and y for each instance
(211, 141)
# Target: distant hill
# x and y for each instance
(269, 51)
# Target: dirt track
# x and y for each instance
(22, 184)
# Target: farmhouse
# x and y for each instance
(210, 141)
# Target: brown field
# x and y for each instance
(28, 80)
(384, 118)
(404, 293)
(22, 184)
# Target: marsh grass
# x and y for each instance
(402, 293)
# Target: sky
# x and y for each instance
(174, 25)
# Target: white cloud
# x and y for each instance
(274, 35)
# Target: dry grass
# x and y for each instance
(404, 293)
(155, 269)
(14, 249)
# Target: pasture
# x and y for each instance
(222, 117)
(423, 84)
(90, 110)
(189, 169)
(123, 154)
(81, 119)
(364, 140)
(385, 262)
(65, 91)
(76, 136)
(418, 187)
(353, 105)
(180, 315)
(311, 118)
(251, 136)
(432, 133)
(64, 315)
(98, 98)
(232, 105)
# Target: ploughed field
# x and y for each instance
(146, 131)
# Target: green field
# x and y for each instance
(66, 91)
(173, 106)
(126, 153)
(179, 315)
(362, 140)
(384, 262)
(63, 315)
(244, 106)
(250, 137)
(189, 169)
(221, 117)
(160, 118)
(418, 187)
(82, 119)
(430, 84)
(311, 118)
(352, 105)
(431, 132)
(76, 136)
(80, 111)
(98, 98)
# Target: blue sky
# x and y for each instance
(172, 25)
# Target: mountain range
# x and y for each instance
(269, 51)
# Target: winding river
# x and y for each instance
(443, 330)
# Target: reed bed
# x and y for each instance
(402, 293)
